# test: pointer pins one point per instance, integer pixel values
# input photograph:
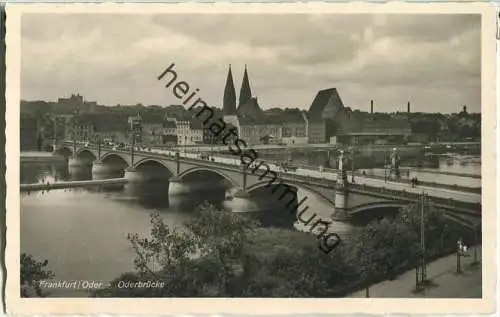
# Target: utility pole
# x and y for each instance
(417, 282)
(212, 146)
(475, 245)
(422, 238)
(352, 166)
(55, 133)
(132, 149)
(74, 137)
(99, 146)
(385, 166)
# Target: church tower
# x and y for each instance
(229, 101)
(245, 91)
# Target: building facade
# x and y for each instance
(135, 128)
(152, 133)
(169, 133)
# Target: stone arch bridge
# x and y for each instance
(346, 199)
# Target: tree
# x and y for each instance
(381, 248)
(32, 272)
(203, 259)
(166, 247)
(223, 254)
(440, 232)
(428, 126)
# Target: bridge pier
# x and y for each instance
(177, 187)
(242, 202)
(102, 170)
(133, 175)
(98, 167)
(75, 162)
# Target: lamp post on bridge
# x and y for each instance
(423, 268)
(98, 140)
(352, 165)
(74, 143)
(385, 166)
(132, 149)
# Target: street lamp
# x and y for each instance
(385, 166)
(132, 149)
(98, 139)
(475, 247)
(212, 137)
(423, 270)
(352, 165)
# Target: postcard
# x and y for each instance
(251, 158)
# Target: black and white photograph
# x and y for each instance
(241, 154)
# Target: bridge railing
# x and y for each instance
(410, 196)
(391, 193)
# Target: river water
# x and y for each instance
(464, 171)
(82, 232)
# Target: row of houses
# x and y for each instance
(326, 121)
(149, 131)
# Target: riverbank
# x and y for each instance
(34, 157)
(71, 184)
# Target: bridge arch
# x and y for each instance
(192, 170)
(86, 153)
(365, 213)
(64, 151)
(111, 157)
(147, 160)
(377, 205)
(281, 192)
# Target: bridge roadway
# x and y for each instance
(308, 175)
(332, 176)
(215, 147)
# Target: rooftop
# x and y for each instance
(324, 98)
(104, 121)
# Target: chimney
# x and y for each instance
(408, 107)
(371, 106)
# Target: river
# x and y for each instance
(82, 232)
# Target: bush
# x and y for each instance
(32, 272)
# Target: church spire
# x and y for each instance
(229, 101)
(245, 92)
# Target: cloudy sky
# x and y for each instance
(432, 60)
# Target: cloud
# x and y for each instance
(434, 59)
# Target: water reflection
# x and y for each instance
(42, 172)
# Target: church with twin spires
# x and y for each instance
(256, 126)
